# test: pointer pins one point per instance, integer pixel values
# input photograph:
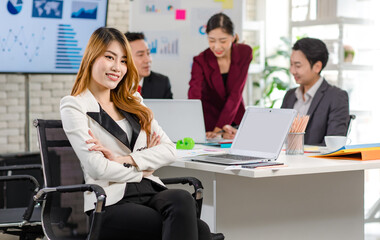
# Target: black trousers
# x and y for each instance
(151, 212)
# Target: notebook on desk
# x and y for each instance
(179, 118)
(260, 137)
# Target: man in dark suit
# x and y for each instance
(152, 84)
(326, 105)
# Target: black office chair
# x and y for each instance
(23, 221)
(62, 167)
(62, 173)
(29, 164)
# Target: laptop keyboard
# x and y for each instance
(235, 157)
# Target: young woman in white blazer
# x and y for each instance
(120, 145)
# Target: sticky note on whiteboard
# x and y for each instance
(228, 4)
(180, 14)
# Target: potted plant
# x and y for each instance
(273, 77)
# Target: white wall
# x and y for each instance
(191, 43)
(276, 22)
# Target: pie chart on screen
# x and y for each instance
(14, 6)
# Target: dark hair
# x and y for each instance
(133, 36)
(220, 20)
(314, 49)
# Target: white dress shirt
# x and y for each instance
(301, 105)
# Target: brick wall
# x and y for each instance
(12, 113)
(45, 92)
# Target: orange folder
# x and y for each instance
(359, 152)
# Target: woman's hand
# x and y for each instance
(147, 173)
(216, 133)
(229, 132)
(154, 140)
(99, 147)
(210, 135)
(125, 159)
(107, 153)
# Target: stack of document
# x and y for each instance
(355, 152)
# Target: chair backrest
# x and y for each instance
(352, 117)
(10, 196)
(61, 167)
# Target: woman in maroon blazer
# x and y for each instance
(219, 74)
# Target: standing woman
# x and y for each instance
(219, 74)
(120, 145)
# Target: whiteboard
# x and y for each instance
(47, 36)
(175, 32)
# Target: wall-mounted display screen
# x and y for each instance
(47, 36)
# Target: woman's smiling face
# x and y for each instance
(220, 42)
(110, 67)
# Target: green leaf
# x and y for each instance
(271, 87)
(256, 84)
(280, 85)
(283, 53)
(286, 41)
(302, 36)
(272, 56)
(272, 105)
(255, 52)
(287, 71)
(269, 81)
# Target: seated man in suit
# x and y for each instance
(326, 105)
(152, 84)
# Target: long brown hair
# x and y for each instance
(122, 96)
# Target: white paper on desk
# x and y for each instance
(313, 149)
(239, 167)
(196, 152)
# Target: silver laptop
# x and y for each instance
(179, 118)
(260, 137)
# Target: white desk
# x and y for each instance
(311, 198)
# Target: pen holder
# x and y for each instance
(294, 143)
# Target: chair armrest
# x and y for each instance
(99, 191)
(192, 181)
(29, 210)
(21, 178)
(95, 225)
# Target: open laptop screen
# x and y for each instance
(179, 118)
(262, 131)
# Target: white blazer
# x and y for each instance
(81, 113)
